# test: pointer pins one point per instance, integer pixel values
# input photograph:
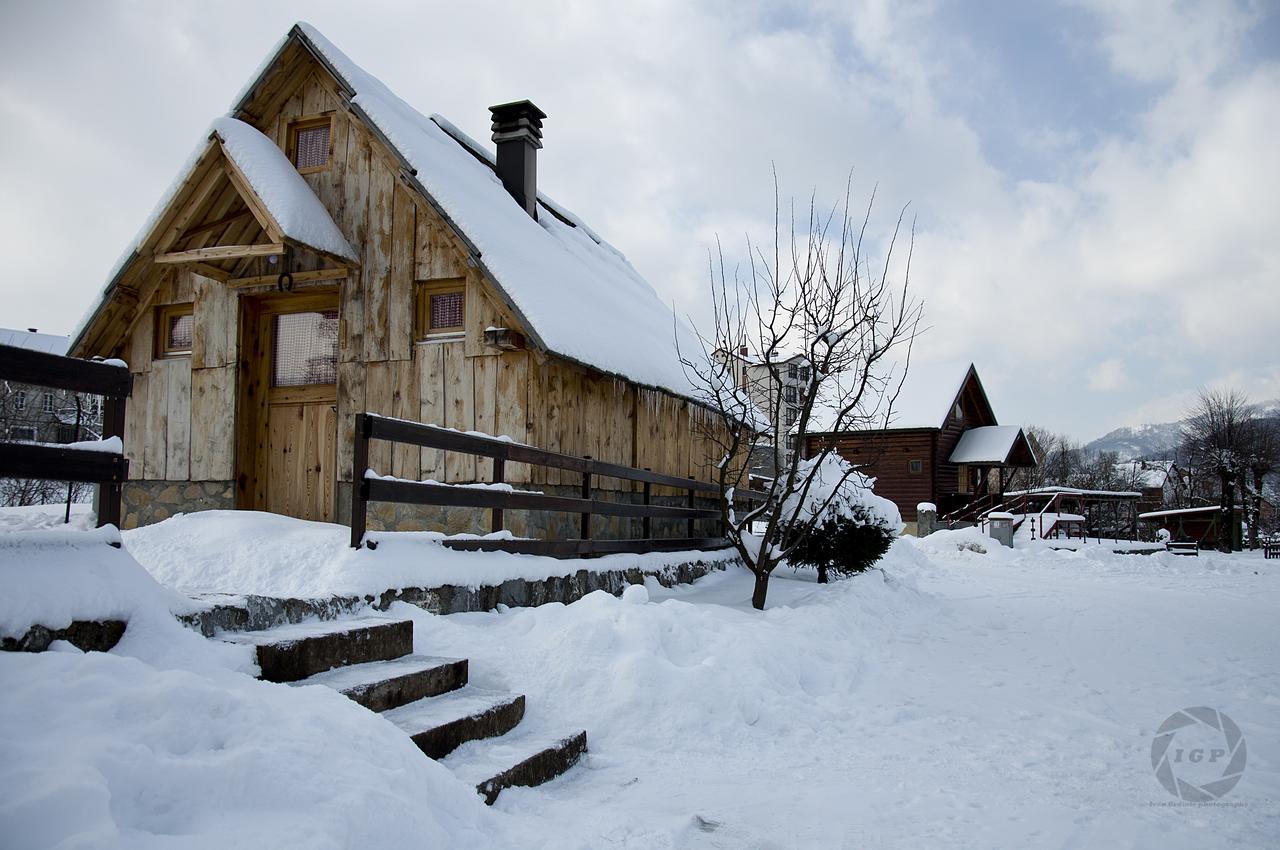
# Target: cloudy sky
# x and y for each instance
(1095, 183)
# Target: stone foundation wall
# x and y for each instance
(145, 502)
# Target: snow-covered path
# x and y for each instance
(1011, 703)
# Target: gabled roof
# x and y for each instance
(1003, 445)
(271, 190)
(288, 200)
(577, 296)
(931, 390)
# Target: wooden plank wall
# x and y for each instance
(886, 457)
(177, 426)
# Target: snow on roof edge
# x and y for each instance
(516, 260)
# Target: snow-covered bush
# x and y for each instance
(851, 527)
(844, 545)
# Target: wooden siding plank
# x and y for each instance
(178, 422)
(350, 401)
(459, 408)
(430, 360)
(355, 223)
(155, 451)
(406, 460)
(379, 391)
(512, 405)
(485, 377)
(377, 268)
(135, 425)
(400, 285)
(213, 336)
(212, 424)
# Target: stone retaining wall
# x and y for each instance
(250, 613)
(145, 502)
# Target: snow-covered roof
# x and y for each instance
(35, 341)
(1073, 491)
(1147, 473)
(578, 295)
(927, 394)
(1180, 512)
(988, 444)
(282, 190)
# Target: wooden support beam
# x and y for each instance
(211, 271)
(298, 277)
(212, 225)
(219, 252)
(251, 199)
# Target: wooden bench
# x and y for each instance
(1271, 549)
(1183, 547)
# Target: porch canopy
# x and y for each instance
(994, 445)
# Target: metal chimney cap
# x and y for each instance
(517, 109)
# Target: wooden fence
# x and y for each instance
(57, 463)
(497, 500)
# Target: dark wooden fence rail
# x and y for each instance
(372, 427)
(55, 463)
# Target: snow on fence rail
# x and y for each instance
(82, 462)
(372, 488)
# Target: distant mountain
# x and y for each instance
(1145, 441)
(1154, 442)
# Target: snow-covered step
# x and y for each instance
(293, 652)
(383, 685)
(517, 758)
(438, 725)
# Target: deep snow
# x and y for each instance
(1003, 698)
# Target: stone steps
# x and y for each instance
(439, 725)
(370, 660)
(291, 653)
(384, 685)
(514, 759)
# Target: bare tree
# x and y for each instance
(1214, 436)
(1259, 457)
(812, 293)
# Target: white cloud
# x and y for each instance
(1109, 376)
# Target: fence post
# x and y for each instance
(359, 486)
(110, 493)
(646, 524)
(585, 531)
(688, 523)
(495, 514)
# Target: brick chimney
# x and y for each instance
(517, 130)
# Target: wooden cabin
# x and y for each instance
(942, 445)
(330, 250)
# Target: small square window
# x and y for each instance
(442, 308)
(916, 466)
(309, 144)
(305, 349)
(47, 404)
(20, 400)
(175, 326)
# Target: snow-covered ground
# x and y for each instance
(958, 698)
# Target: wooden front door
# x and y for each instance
(292, 413)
